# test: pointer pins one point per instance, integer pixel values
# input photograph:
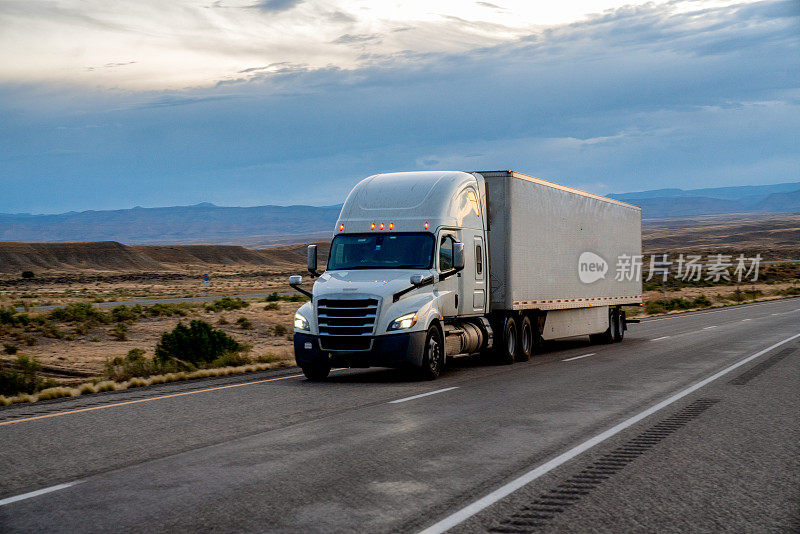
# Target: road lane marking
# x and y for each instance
(743, 320)
(500, 493)
(160, 397)
(36, 493)
(660, 338)
(775, 314)
(709, 327)
(722, 309)
(423, 395)
(579, 357)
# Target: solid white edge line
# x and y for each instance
(423, 395)
(36, 493)
(579, 357)
(465, 513)
(660, 338)
(709, 327)
(746, 320)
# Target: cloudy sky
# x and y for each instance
(108, 104)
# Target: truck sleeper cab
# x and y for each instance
(426, 265)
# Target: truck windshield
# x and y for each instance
(382, 251)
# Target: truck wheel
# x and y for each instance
(316, 372)
(607, 336)
(619, 330)
(433, 355)
(527, 340)
(508, 348)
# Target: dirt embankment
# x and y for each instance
(105, 256)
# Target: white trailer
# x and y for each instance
(425, 265)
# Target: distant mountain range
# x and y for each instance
(201, 223)
(271, 225)
(657, 203)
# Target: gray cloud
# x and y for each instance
(357, 39)
(276, 6)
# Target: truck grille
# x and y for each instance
(347, 317)
(345, 343)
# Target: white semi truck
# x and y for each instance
(428, 265)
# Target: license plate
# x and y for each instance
(307, 345)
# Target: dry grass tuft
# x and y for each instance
(106, 385)
(86, 389)
(54, 393)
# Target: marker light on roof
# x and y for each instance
(341, 227)
(391, 226)
(381, 226)
(426, 225)
(372, 226)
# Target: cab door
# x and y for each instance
(447, 290)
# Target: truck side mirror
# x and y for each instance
(312, 259)
(295, 280)
(458, 255)
(416, 279)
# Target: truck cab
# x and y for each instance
(407, 263)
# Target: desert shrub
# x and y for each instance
(279, 330)
(231, 359)
(80, 312)
(272, 306)
(127, 314)
(654, 306)
(244, 323)
(27, 275)
(161, 309)
(790, 291)
(274, 297)
(226, 303)
(119, 332)
(94, 339)
(27, 339)
(50, 330)
(269, 358)
(198, 343)
(222, 320)
(701, 302)
(10, 348)
(134, 364)
(10, 317)
(23, 377)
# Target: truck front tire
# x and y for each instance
(433, 355)
(316, 372)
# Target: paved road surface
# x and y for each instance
(273, 452)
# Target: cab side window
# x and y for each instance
(446, 253)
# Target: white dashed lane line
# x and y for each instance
(660, 338)
(422, 395)
(36, 493)
(579, 357)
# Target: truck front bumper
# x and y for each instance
(395, 350)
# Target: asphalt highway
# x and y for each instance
(689, 424)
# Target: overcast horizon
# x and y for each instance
(107, 105)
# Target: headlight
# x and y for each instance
(300, 322)
(404, 321)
